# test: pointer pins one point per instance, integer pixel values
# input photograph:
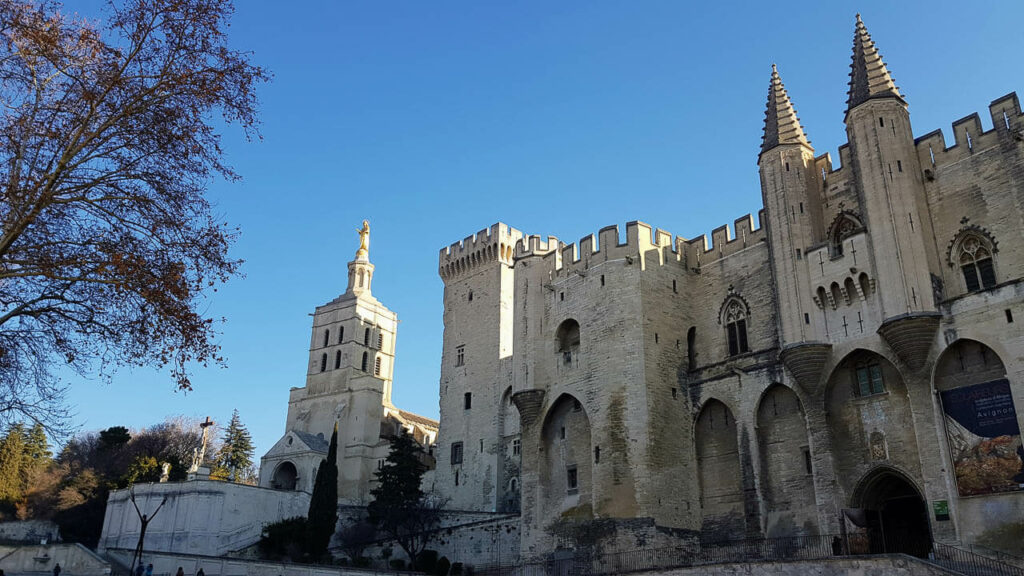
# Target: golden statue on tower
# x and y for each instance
(364, 241)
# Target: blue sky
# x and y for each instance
(435, 120)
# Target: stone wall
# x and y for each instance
(32, 531)
(74, 560)
(201, 516)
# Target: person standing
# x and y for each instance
(149, 569)
(56, 569)
(180, 572)
(139, 569)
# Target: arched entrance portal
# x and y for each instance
(285, 477)
(892, 514)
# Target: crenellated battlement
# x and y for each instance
(640, 241)
(968, 135)
(724, 242)
(488, 245)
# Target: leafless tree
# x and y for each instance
(108, 141)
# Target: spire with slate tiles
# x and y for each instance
(781, 125)
(869, 78)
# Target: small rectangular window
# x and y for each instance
(801, 207)
(380, 340)
(899, 165)
(799, 254)
(376, 366)
(807, 318)
(561, 296)
(655, 337)
(674, 291)
(597, 454)
(602, 279)
(1009, 316)
(517, 446)
(571, 480)
(481, 445)
(563, 432)
(460, 355)
(807, 460)
(467, 400)
(456, 452)
(673, 393)
(881, 122)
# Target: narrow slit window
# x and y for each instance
(323, 362)
(327, 337)
(337, 359)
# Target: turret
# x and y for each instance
(891, 192)
(792, 200)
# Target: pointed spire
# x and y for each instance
(781, 125)
(869, 78)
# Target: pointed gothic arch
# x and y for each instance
(844, 225)
(973, 251)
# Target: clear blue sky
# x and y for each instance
(437, 119)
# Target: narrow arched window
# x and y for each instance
(337, 359)
(327, 337)
(376, 366)
(975, 259)
(380, 340)
(691, 348)
(366, 359)
(366, 337)
(734, 316)
(567, 339)
(323, 362)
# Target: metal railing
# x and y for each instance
(969, 563)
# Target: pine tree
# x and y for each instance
(323, 505)
(37, 448)
(12, 464)
(399, 508)
(234, 459)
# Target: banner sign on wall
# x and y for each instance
(984, 438)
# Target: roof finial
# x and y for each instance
(781, 125)
(869, 78)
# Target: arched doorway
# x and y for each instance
(566, 469)
(891, 513)
(719, 475)
(285, 476)
(787, 484)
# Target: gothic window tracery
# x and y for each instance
(844, 226)
(974, 256)
(734, 317)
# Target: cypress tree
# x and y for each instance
(323, 505)
(235, 456)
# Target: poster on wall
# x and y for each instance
(984, 438)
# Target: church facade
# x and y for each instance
(854, 363)
(348, 384)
